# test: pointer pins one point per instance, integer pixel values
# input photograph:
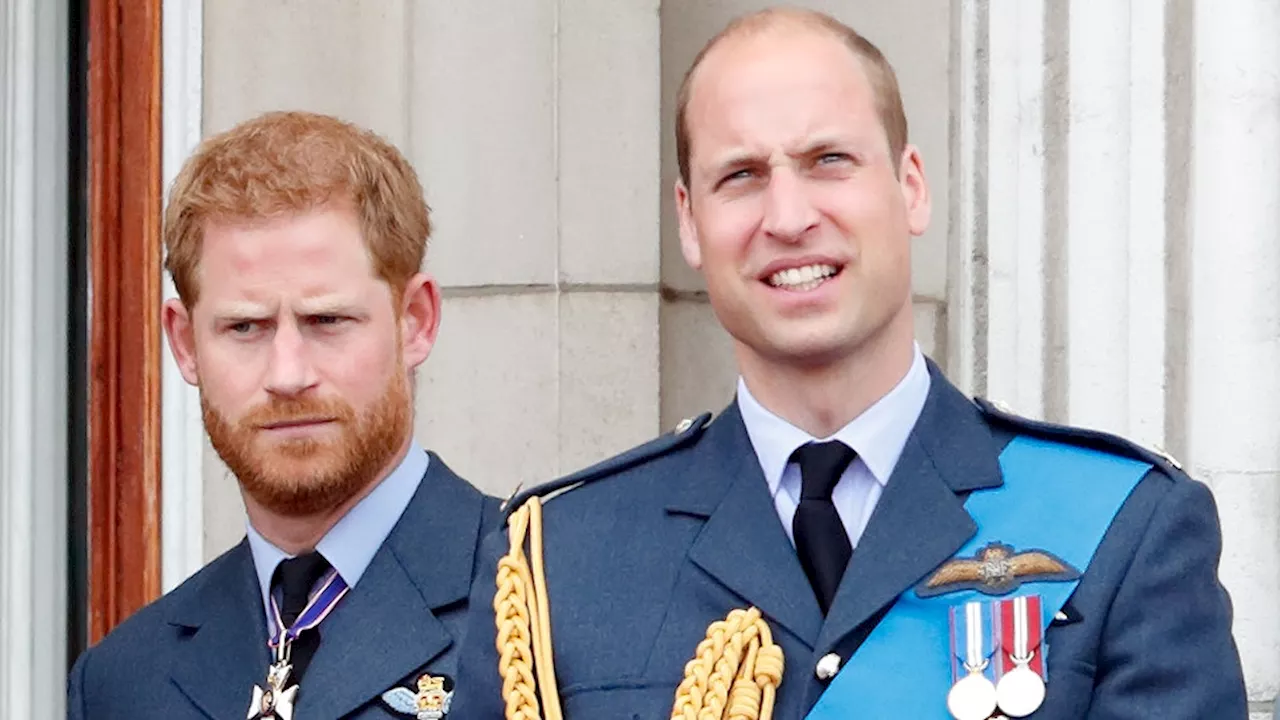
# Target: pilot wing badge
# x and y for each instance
(996, 569)
(430, 701)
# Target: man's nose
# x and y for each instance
(290, 371)
(789, 213)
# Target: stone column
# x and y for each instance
(1118, 190)
(33, 358)
(1231, 268)
(1059, 295)
(182, 432)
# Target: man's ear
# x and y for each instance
(915, 190)
(689, 246)
(419, 319)
(176, 320)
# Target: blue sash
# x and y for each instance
(1055, 497)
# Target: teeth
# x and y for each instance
(802, 278)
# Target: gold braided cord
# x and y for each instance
(524, 628)
(734, 674)
(543, 658)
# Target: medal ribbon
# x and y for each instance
(972, 640)
(323, 601)
(1020, 619)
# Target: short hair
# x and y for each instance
(282, 163)
(884, 82)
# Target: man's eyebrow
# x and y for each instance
(819, 147)
(242, 309)
(735, 158)
(330, 305)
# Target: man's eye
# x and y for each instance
(736, 177)
(241, 328)
(829, 158)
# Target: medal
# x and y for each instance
(274, 702)
(1020, 692)
(973, 696)
(1021, 689)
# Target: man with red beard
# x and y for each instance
(295, 243)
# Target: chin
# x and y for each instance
(815, 357)
(292, 459)
(812, 343)
(302, 489)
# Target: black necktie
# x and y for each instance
(296, 577)
(821, 540)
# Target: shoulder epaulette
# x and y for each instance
(685, 432)
(1092, 439)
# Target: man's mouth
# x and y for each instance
(295, 423)
(803, 278)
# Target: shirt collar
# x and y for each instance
(877, 435)
(350, 545)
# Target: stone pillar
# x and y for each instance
(1117, 191)
(33, 358)
(1059, 299)
(1232, 325)
(182, 431)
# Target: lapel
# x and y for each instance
(920, 520)
(385, 629)
(743, 544)
(225, 653)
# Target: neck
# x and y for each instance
(821, 398)
(297, 534)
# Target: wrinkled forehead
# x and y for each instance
(300, 255)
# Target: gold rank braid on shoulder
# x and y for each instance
(734, 674)
(524, 630)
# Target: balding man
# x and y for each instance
(852, 536)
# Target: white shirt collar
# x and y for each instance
(877, 435)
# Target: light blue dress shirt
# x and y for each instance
(350, 545)
(877, 436)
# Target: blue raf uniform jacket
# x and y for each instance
(198, 651)
(647, 549)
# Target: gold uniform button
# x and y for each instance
(684, 425)
(827, 667)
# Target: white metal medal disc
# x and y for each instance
(973, 698)
(1020, 692)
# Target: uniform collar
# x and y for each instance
(877, 435)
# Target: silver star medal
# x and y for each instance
(274, 703)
